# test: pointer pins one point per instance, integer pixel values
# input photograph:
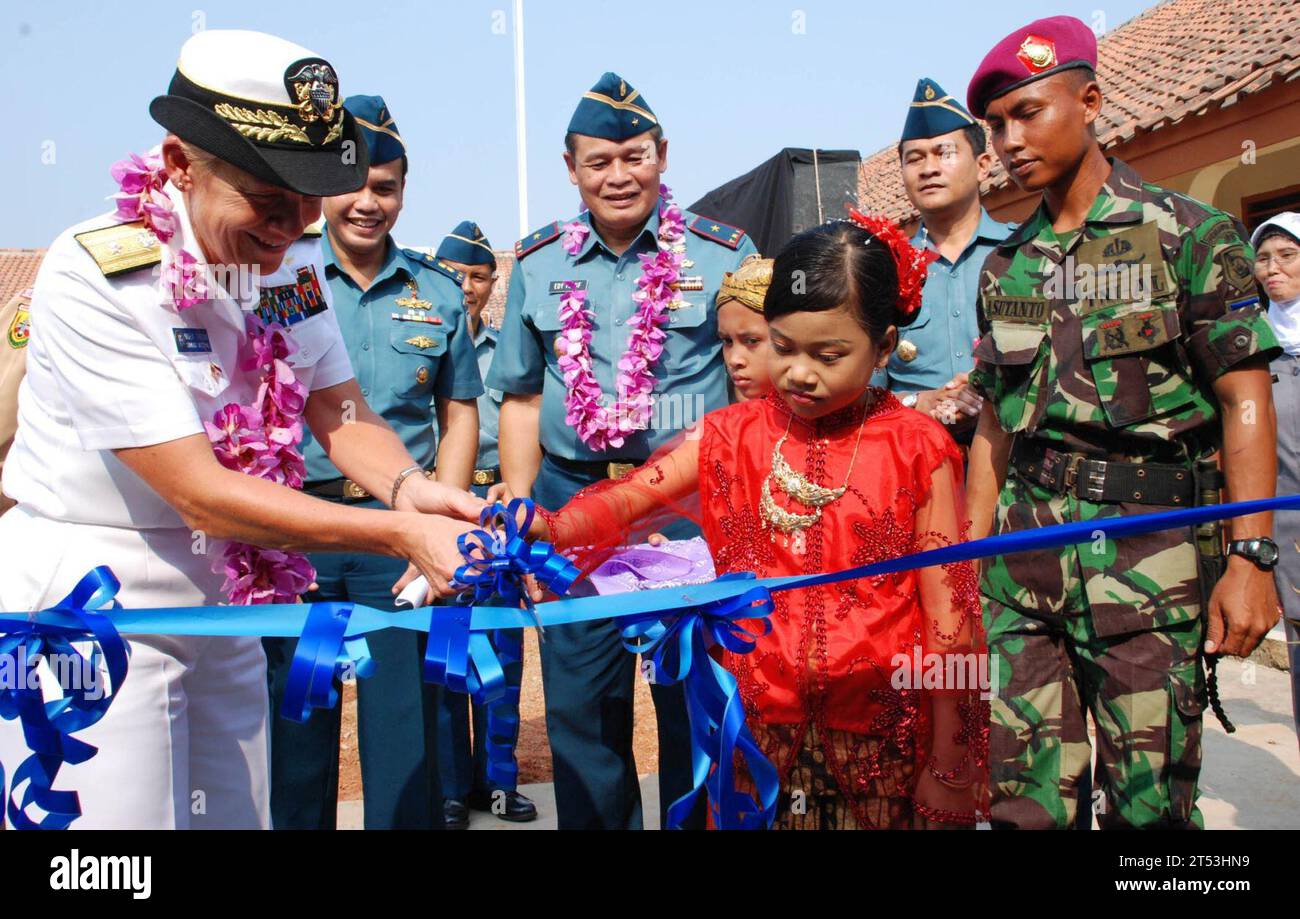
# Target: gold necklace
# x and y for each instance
(801, 489)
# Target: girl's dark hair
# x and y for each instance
(837, 264)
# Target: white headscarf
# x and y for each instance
(1283, 315)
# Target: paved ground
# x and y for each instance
(1251, 778)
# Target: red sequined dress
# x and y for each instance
(866, 695)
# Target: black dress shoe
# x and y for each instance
(455, 815)
(518, 809)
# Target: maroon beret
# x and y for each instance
(1040, 49)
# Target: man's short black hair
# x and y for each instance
(974, 134)
(571, 139)
(405, 165)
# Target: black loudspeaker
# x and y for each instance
(824, 183)
(796, 189)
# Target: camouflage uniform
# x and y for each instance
(1113, 626)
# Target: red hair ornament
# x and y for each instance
(912, 264)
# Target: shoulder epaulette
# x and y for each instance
(436, 264)
(717, 231)
(314, 230)
(122, 247)
(535, 241)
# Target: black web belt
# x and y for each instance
(1091, 478)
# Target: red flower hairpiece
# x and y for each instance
(912, 264)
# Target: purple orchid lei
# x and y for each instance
(260, 439)
(605, 426)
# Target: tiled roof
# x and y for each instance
(18, 270)
(1179, 60)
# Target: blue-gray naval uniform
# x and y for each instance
(407, 339)
(588, 676)
(944, 331)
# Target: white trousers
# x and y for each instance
(185, 742)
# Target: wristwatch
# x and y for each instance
(1260, 550)
(909, 400)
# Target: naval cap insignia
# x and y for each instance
(316, 88)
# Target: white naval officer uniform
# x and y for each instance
(185, 742)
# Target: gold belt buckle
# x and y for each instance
(352, 490)
(483, 477)
(619, 470)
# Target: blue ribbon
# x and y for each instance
(498, 559)
(679, 648)
(48, 727)
(675, 625)
(323, 656)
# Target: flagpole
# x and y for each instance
(521, 138)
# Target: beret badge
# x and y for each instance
(1037, 54)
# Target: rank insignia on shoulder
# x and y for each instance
(558, 287)
(192, 341)
(717, 231)
(534, 241)
(454, 273)
(122, 247)
(289, 304)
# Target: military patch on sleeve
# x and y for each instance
(122, 247)
(1237, 269)
(289, 304)
(1222, 231)
(717, 231)
(534, 241)
(21, 327)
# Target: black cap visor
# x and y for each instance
(319, 172)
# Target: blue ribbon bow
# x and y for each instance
(679, 646)
(48, 726)
(498, 559)
(323, 656)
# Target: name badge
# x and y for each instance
(192, 341)
(1031, 310)
(1136, 250)
(559, 287)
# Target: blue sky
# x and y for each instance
(732, 83)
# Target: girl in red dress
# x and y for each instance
(866, 695)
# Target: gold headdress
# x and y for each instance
(748, 284)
